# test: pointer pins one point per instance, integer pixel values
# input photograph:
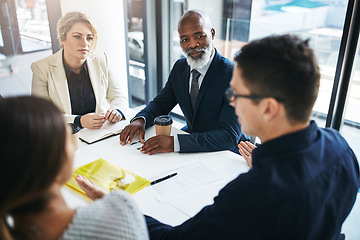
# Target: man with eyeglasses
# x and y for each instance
(304, 179)
(197, 83)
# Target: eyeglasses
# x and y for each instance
(229, 93)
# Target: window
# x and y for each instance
(238, 22)
(24, 38)
(136, 53)
(24, 27)
(1, 39)
(33, 25)
(351, 126)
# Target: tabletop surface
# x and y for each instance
(226, 164)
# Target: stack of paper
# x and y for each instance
(189, 178)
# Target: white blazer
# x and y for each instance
(49, 82)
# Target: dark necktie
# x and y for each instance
(194, 87)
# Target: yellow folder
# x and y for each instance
(108, 176)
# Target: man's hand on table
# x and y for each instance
(158, 144)
(136, 127)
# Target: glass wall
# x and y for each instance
(238, 22)
(2, 56)
(243, 21)
(178, 8)
(1, 39)
(136, 52)
(351, 126)
(33, 25)
(24, 27)
(24, 38)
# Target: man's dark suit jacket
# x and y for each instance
(213, 124)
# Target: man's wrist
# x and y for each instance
(137, 118)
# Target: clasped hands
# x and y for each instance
(96, 120)
(156, 144)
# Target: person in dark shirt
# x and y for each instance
(304, 179)
(78, 81)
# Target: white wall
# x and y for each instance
(108, 19)
(214, 10)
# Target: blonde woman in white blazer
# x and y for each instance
(57, 77)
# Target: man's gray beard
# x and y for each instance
(199, 62)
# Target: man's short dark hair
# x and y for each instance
(283, 67)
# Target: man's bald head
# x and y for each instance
(196, 38)
(196, 17)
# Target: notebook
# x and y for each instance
(107, 130)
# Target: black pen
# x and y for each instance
(162, 179)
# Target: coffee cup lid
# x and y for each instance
(163, 120)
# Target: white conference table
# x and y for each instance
(225, 164)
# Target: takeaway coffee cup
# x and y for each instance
(163, 125)
(75, 135)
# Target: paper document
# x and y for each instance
(109, 177)
(188, 179)
(107, 130)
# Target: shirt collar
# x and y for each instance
(287, 143)
(204, 69)
(69, 72)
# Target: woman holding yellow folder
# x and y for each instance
(37, 157)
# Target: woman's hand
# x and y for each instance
(245, 149)
(113, 116)
(92, 190)
(92, 120)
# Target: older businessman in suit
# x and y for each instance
(197, 84)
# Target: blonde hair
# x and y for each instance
(66, 22)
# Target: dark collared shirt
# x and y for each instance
(82, 95)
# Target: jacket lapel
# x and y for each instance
(95, 78)
(208, 79)
(186, 107)
(59, 79)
